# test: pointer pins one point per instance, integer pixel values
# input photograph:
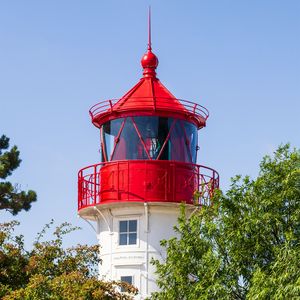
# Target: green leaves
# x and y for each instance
(50, 272)
(246, 246)
(9, 160)
(12, 198)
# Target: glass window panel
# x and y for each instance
(132, 238)
(132, 225)
(110, 131)
(192, 135)
(154, 131)
(177, 144)
(123, 239)
(127, 232)
(129, 143)
(148, 128)
(123, 226)
(128, 279)
(163, 131)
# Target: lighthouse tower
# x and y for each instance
(149, 144)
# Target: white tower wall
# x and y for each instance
(155, 222)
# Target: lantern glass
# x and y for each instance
(149, 137)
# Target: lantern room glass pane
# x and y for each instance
(192, 136)
(145, 137)
(154, 131)
(110, 131)
(129, 145)
(178, 147)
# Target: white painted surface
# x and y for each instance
(155, 223)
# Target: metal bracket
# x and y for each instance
(105, 220)
(88, 223)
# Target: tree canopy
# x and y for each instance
(12, 198)
(246, 245)
(51, 272)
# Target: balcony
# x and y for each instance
(146, 181)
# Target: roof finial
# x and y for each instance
(149, 29)
(149, 60)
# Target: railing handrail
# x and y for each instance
(149, 161)
(193, 108)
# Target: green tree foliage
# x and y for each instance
(245, 246)
(12, 198)
(50, 272)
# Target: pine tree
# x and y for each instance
(12, 198)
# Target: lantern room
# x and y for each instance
(148, 138)
(149, 145)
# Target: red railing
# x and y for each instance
(146, 181)
(193, 109)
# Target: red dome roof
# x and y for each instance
(148, 97)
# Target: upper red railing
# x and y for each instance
(157, 104)
(146, 181)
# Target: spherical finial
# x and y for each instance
(149, 60)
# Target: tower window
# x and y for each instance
(128, 232)
(128, 279)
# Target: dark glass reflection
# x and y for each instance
(109, 132)
(154, 131)
(192, 138)
(145, 138)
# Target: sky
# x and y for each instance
(239, 59)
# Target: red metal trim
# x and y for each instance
(192, 112)
(141, 138)
(153, 95)
(95, 184)
(110, 103)
(116, 140)
(138, 113)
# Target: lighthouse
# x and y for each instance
(146, 169)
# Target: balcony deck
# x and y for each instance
(146, 181)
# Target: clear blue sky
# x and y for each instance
(240, 59)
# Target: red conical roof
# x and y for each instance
(148, 97)
(149, 94)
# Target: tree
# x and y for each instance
(245, 246)
(12, 198)
(50, 272)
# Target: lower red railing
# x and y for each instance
(146, 181)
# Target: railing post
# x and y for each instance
(79, 190)
(198, 184)
(194, 110)
(95, 185)
(111, 106)
(128, 180)
(118, 181)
